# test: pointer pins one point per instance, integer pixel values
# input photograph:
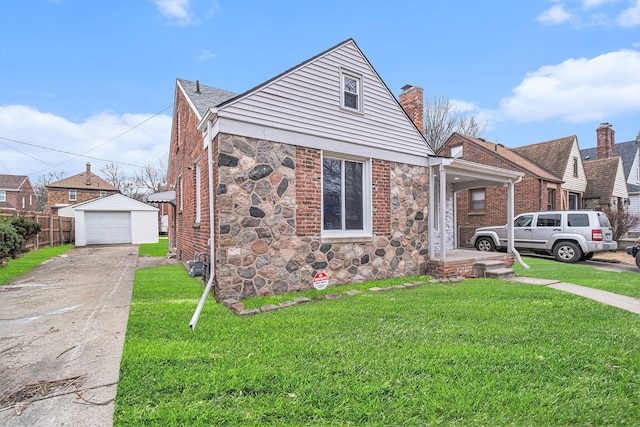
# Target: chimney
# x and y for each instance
(605, 141)
(411, 100)
(87, 175)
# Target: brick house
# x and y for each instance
(482, 205)
(16, 193)
(319, 169)
(613, 172)
(77, 189)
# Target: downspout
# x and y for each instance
(510, 214)
(212, 258)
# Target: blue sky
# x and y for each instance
(93, 81)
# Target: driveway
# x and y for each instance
(62, 330)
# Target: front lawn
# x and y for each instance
(479, 352)
(626, 283)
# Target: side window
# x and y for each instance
(456, 152)
(548, 220)
(578, 220)
(351, 91)
(72, 195)
(477, 199)
(523, 221)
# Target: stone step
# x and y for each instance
(489, 265)
(499, 273)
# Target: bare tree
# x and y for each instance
(40, 188)
(153, 178)
(441, 119)
(115, 176)
(621, 222)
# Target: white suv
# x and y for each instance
(569, 236)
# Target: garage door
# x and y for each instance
(108, 227)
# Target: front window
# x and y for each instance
(477, 199)
(73, 196)
(3, 196)
(352, 91)
(345, 197)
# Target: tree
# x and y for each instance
(40, 188)
(621, 222)
(153, 179)
(441, 119)
(149, 179)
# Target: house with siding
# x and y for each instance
(317, 170)
(77, 189)
(16, 193)
(629, 154)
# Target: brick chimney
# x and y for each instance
(412, 101)
(87, 175)
(605, 141)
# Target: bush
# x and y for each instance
(10, 242)
(26, 229)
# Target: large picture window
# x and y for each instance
(346, 197)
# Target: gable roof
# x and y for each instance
(115, 202)
(551, 155)
(79, 182)
(627, 152)
(202, 97)
(511, 156)
(12, 182)
(601, 177)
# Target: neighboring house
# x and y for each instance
(115, 219)
(562, 158)
(629, 153)
(317, 171)
(77, 189)
(16, 193)
(485, 206)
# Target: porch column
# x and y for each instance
(443, 213)
(431, 212)
(510, 215)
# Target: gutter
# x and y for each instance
(212, 258)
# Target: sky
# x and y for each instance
(94, 81)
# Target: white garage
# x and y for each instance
(116, 219)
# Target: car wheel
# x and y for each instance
(587, 256)
(567, 252)
(485, 244)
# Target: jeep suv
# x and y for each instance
(569, 236)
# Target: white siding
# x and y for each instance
(634, 208)
(576, 184)
(144, 227)
(620, 186)
(306, 102)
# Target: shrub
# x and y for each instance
(27, 229)
(10, 242)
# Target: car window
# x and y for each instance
(578, 220)
(523, 221)
(548, 220)
(604, 220)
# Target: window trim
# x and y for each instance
(73, 195)
(359, 81)
(367, 199)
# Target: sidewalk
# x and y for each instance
(608, 298)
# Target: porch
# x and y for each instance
(468, 263)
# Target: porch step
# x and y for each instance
(500, 273)
(495, 269)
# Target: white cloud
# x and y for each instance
(26, 133)
(591, 4)
(631, 16)
(554, 15)
(186, 12)
(206, 55)
(578, 90)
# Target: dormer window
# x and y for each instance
(351, 91)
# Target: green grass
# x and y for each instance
(625, 283)
(159, 249)
(479, 352)
(19, 266)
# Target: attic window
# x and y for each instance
(456, 152)
(351, 93)
(72, 195)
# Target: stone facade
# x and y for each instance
(268, 229)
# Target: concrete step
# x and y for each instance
(489, 265)
(499, 273)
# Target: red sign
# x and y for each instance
(320, 281)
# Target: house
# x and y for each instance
(115, 219)
(76, 189)
(629, 154)
(483, 205)
(16, 193)
(317, 172)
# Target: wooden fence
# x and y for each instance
(54, 230)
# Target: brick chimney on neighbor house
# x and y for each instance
(412, 101)
(87, 175)
(605, 140)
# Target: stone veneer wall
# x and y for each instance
(268, 213)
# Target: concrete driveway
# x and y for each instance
(62, 330)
